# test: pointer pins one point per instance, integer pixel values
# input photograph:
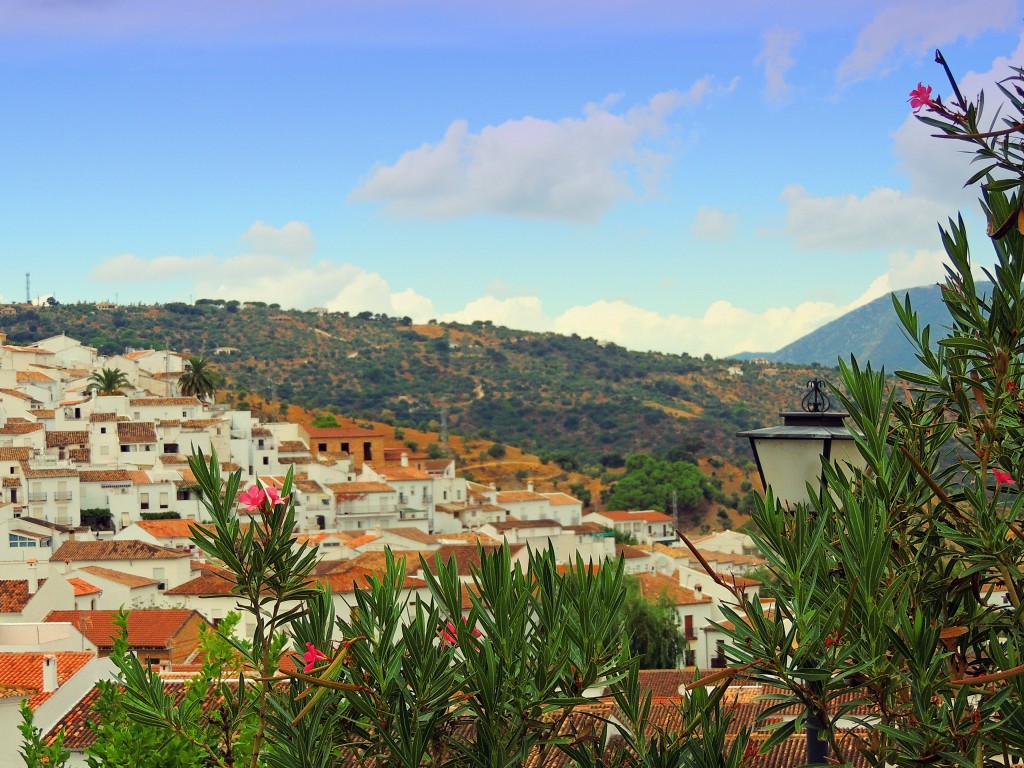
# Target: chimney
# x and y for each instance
(698, 589)
(49, 673)
(405, 459)
(33, 577)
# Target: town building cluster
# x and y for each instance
(97, 501)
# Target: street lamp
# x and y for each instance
(789, 458)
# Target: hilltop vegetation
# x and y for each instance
(573, 401)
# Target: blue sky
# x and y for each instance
(706, 180)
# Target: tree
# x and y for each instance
(198, 379)
(652, 483)
(109, 381)
(887, 587)
(325, 421)
(653, 627)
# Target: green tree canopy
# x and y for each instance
(109, 381)
(198, 379)
(653, 627)
(649, 483)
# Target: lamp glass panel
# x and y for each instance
(788, 465)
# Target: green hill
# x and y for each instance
(564, 397)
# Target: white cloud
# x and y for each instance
(293, 239)
(713, 223)
(905, 270)
(573, 168)
(884, 218)
(777, 60)
(914, 27)
(279, 268)
(521, 312)
(131, 268)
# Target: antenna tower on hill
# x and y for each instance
(28, 288)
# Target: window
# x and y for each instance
(266, 461)
(144, 500)
(124, 449)
(170, 447)
(183, 494)
(103, 430)
(163, 499)
(367, 451)
(259, 443)
(322, 447)
(104, 450)
(345, 448)
(16, 541)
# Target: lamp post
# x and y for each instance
(791, 456)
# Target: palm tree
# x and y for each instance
(198, 379)
(108, 381)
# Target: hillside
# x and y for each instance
(570, 400)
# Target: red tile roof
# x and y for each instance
(14, 595)
(647, 515)
(62, 439)
(114, 550)
(140, 401)
(169, 529)
(129, 580)
(136, 432)
(83, 587)
(147, 627)
(330, 432)
(24, 669)
(653, 585)
(207, 585)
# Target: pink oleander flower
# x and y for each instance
(253, 498)
(273, 498)
(311, 657)
(921, 97)
(449, 636)
(1003, 478)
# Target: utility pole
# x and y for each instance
(444, 424)
(28, 288)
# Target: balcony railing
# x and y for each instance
(63, 496)
(33, 497)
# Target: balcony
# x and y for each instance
(37, 497)
(63, 496)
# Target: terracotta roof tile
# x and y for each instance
(653, 585)
(113, 550)
(207, 585)
(350, 490)
(79, 455)
(129, 580)
(100, 417)
(24, 669)
(36, 376)
(647, 515)
(83, 587)
(104, 476)
(516, 525)
(144, 401)
(8, 453)
(292, 446)
(14, 595)
(12, 482)
(516, 497)
(13, 427)
(330, 432)
(147, 627)
(136, 432)
(32, 472)
(169, 529)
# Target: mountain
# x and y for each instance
(872, 333)
(570, 400)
